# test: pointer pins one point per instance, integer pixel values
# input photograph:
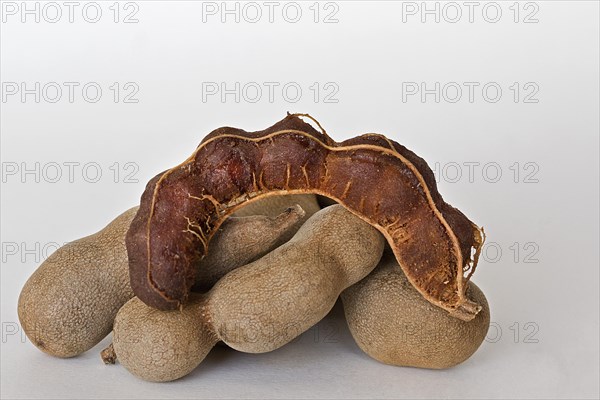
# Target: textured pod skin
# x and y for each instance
(263, 305)
(273, 206)
(271, 227)
(391, 322)
(256, 308)
(375, 178)
(69, 303)
(241, 242)
(161, 346)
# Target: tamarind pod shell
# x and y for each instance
(375, 178)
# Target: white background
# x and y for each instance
(544, 300)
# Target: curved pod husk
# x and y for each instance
(375, 178)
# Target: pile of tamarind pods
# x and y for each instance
(273, 270)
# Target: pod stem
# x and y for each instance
(108, 355)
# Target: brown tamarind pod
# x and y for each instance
(391, 322)
(377, 179)
(256, 308)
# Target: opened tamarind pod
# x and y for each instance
(375, 178)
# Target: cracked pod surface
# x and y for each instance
(375, 178)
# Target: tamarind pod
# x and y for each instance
(237, 247)
(69, 303)
(391, 322)
(375, 178)
(256, 308)
(255, 230)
